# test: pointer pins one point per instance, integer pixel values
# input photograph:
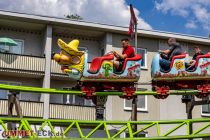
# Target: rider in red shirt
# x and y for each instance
(127, 52)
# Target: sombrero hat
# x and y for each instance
(71, 48)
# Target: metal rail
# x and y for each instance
(35, 126)
(76, 92)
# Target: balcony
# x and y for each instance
(71, 112)
(56, 111)
(25, 64)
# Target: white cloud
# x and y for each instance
(114, 12)
(202, 14)
(177, 7)
(191, 25)
(189, 9)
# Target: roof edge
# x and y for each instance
(106, 27)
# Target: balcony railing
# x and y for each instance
(56, 111)
(21, 63)
(55, 67)
(29, 109)
(71, 112)
(25, 63)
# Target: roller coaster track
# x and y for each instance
(77, 92)
(36, 126)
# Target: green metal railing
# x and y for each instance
(29, 125)
(76, 92)
(40, 125)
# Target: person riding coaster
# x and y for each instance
(177, 74)
(190, 66)
(74, 62)
(127, 52)
(100, 74)
(167, 55)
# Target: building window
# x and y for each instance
(13, 49)
(142, 134)
(76, 100)
(4, 93)
(205, 110)
(141, 103)
(143, 53)
(4, 48)
(102, 51)
(82, 49)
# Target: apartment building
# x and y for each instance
(30, 64)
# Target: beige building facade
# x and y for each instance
(30, 64)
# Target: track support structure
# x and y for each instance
(32, 128)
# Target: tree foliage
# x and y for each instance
(74, 17)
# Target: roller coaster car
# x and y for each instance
(101, 75)
(179, 76)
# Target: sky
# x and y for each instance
(180, 16)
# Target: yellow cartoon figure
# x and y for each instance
(70, 58)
